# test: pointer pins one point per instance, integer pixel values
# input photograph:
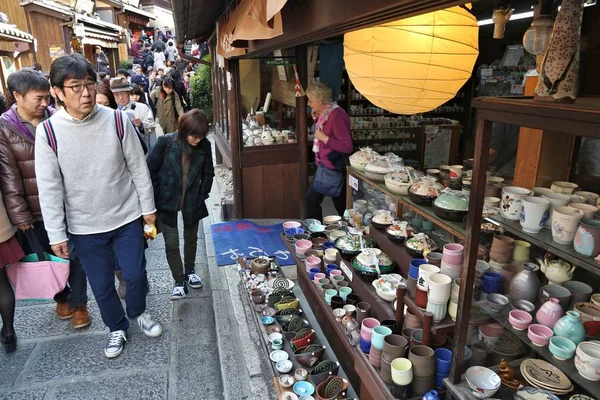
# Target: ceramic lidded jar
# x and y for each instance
(425, 192)
(549, 313)
(570, 327)
(451, 205)
(525, 284)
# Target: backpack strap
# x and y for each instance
(120, 125)
(50, 135)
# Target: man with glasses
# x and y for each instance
(90, 164)
(19, 188)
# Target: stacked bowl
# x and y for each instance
(425, 270)
(291, 228)
(366, 333)
(502, 249)
(377, 342)
(438, 294)
(452, 260)
(443, 359)
(423, 362)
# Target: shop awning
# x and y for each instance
(196, 18)
(98, 37)
(134, 10)
(10, 33)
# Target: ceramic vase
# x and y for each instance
(535, 211)
(431, 395)
(438, 310)
(556, 200)
(549, 313)
(511, 200)
(525, 284)
(565, 221)
(587, 238)
(558, 80)
(570, 327)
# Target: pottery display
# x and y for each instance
(535, 212)
(541, 373)
(399, 231)
(482, 382)
(557, 271)
(587, 360)
(387, 285)
(398, 182)
(425, 192)
(534, 393)
(377, 169)
(423, 360)
(361, 158)
(511, 200)
(561, 347)
(563, 187)
(556, 200)
(382, 219)
(451, 205)
(549, 313)
(565, 221)
(417, 245)
(371, 261)
(587, 238)
(352, 245)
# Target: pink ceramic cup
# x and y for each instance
(519, 319)
(335, 272)
(302, 246)
(319, 275)
(453, 253)
(367, 326)
(312, 262)
(291, 224)
(539, 334)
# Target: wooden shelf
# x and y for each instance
(581, 118)
(543, 239)
(395, 128)
(567, 366)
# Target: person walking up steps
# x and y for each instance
(90, 164)
(182, 172)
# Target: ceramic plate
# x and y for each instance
(289, 396)
(280, 283)
(533, 393)
(581, 397)
(278, 355)
(542, 373)
(268, 312)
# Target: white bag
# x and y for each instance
(158, 129)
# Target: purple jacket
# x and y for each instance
(337, 128)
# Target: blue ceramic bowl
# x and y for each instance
(293, 231)
(328, 245)
(267, 320)
(303, 388)
(491, 276)
(314, 271)
(365, 346)
(561, 347)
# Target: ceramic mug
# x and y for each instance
(402, 372)
(535, 211)
(521, 250)
(588, 210)
(587, 238)
(590, 197)
(424, 271)
(565, 221)
(510, 204)
(378, 336)
(556, 200)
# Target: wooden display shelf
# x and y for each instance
(395, 128)
(543, 239)
(567, 366)
(458, 229)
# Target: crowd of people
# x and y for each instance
(75, 180)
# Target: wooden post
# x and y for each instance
(302, 124)
(233, 96)
(400, 292)
(483, 134)
(427, 323)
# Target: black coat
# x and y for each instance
(164, 163)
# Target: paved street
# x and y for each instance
(209, 348)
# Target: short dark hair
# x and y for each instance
(101, 76)
(25, 80)
(168, 82)
(72, 66)
(122, 71)
(193, 123)
(174, 73)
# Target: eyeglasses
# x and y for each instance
(79, 88)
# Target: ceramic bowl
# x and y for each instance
(301, 374)
(564, 187)
(291, 224)
(287, 395)
(496, 301)
(304, 388)
(267, 320)
(519, 319)
(286, 381)
(561, 347)
(521, 304)
(278, 355)
(483, 382)
(587, 360)
(331, 219)
(274, 336)
(539, 334)
(587, 311)
(284, 366)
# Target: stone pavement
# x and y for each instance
(209, 348)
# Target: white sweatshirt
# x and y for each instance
(102, 182)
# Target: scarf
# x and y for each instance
(321, 122)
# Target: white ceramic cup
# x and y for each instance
(456, 171)
(556, 200)
(439, 310)
(565, 221)
(424, 271)
(439, 288)
(564, 187)
(510, 204)
(535, 211)
(402, 372)
(588, 210)
(590, 197)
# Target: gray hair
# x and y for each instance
(320, 91)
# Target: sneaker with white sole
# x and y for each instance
(148, 325)
(179, 291)
(194, 281)
(114, 346)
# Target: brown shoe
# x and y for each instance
(63, 311)
(81, 318)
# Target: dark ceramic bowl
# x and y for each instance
(387, 269)
(382, 227)
(309, 358)
(322, 371)
(450, 215)
(421, 200)
(349, 254)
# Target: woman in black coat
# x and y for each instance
(182, 172)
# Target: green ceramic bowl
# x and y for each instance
(561, 347)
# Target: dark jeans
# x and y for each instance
(76, 292)
(314, 200)
(190, 245)
(98, 253)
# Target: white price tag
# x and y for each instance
(516, 89)
(352, 182)
(346, 270)
(486, 71)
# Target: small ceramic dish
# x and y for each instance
(279, 355)
(496, 301)
(519, 319)
(301, 374)
(539, 334)
(274, 336)
(523, 305)
(286, 381)
(331, 219)
(273, 329)
(289, 396)
(284, 366)
(267, 320)
(561, 347)
(304, 388)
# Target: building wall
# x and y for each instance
(16, 16)
(164, 16)
(48, 32)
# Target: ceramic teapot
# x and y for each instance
(557, 271)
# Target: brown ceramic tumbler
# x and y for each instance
(363, 310)
(423, 360)
(394, 346)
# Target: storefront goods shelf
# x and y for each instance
(543, 239)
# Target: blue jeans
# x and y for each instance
(98, 253)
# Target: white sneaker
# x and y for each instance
(179, 292)
(114, 346)
(194, 281)
(148, 325)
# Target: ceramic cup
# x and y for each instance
(318, 277)
(378, 335)
(453, 253)
(587, 238)
(366, 329)
(439, 288)
(414, 267)
(590, 197)
(335, 272)
(277, 344)
(394, 346)
(329, 293)
(535, 211)
(423, 360)
(562, 294)
(580, 292)
(424, 271)
(521, 251)
(492, 201)
(565, 221)
(344, 292)
(337, 302)
(510, 204)
(352, 299)
(588, 210)
(481, 267)
(443, 359)
(433, 258)
(402, 371)
(439, 310)
(556, 200)
(363, 310)
(456, 171)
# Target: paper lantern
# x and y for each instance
(415, 64)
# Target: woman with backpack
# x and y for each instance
(168, 106)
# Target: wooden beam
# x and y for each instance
(302, 124)
(232, 68)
